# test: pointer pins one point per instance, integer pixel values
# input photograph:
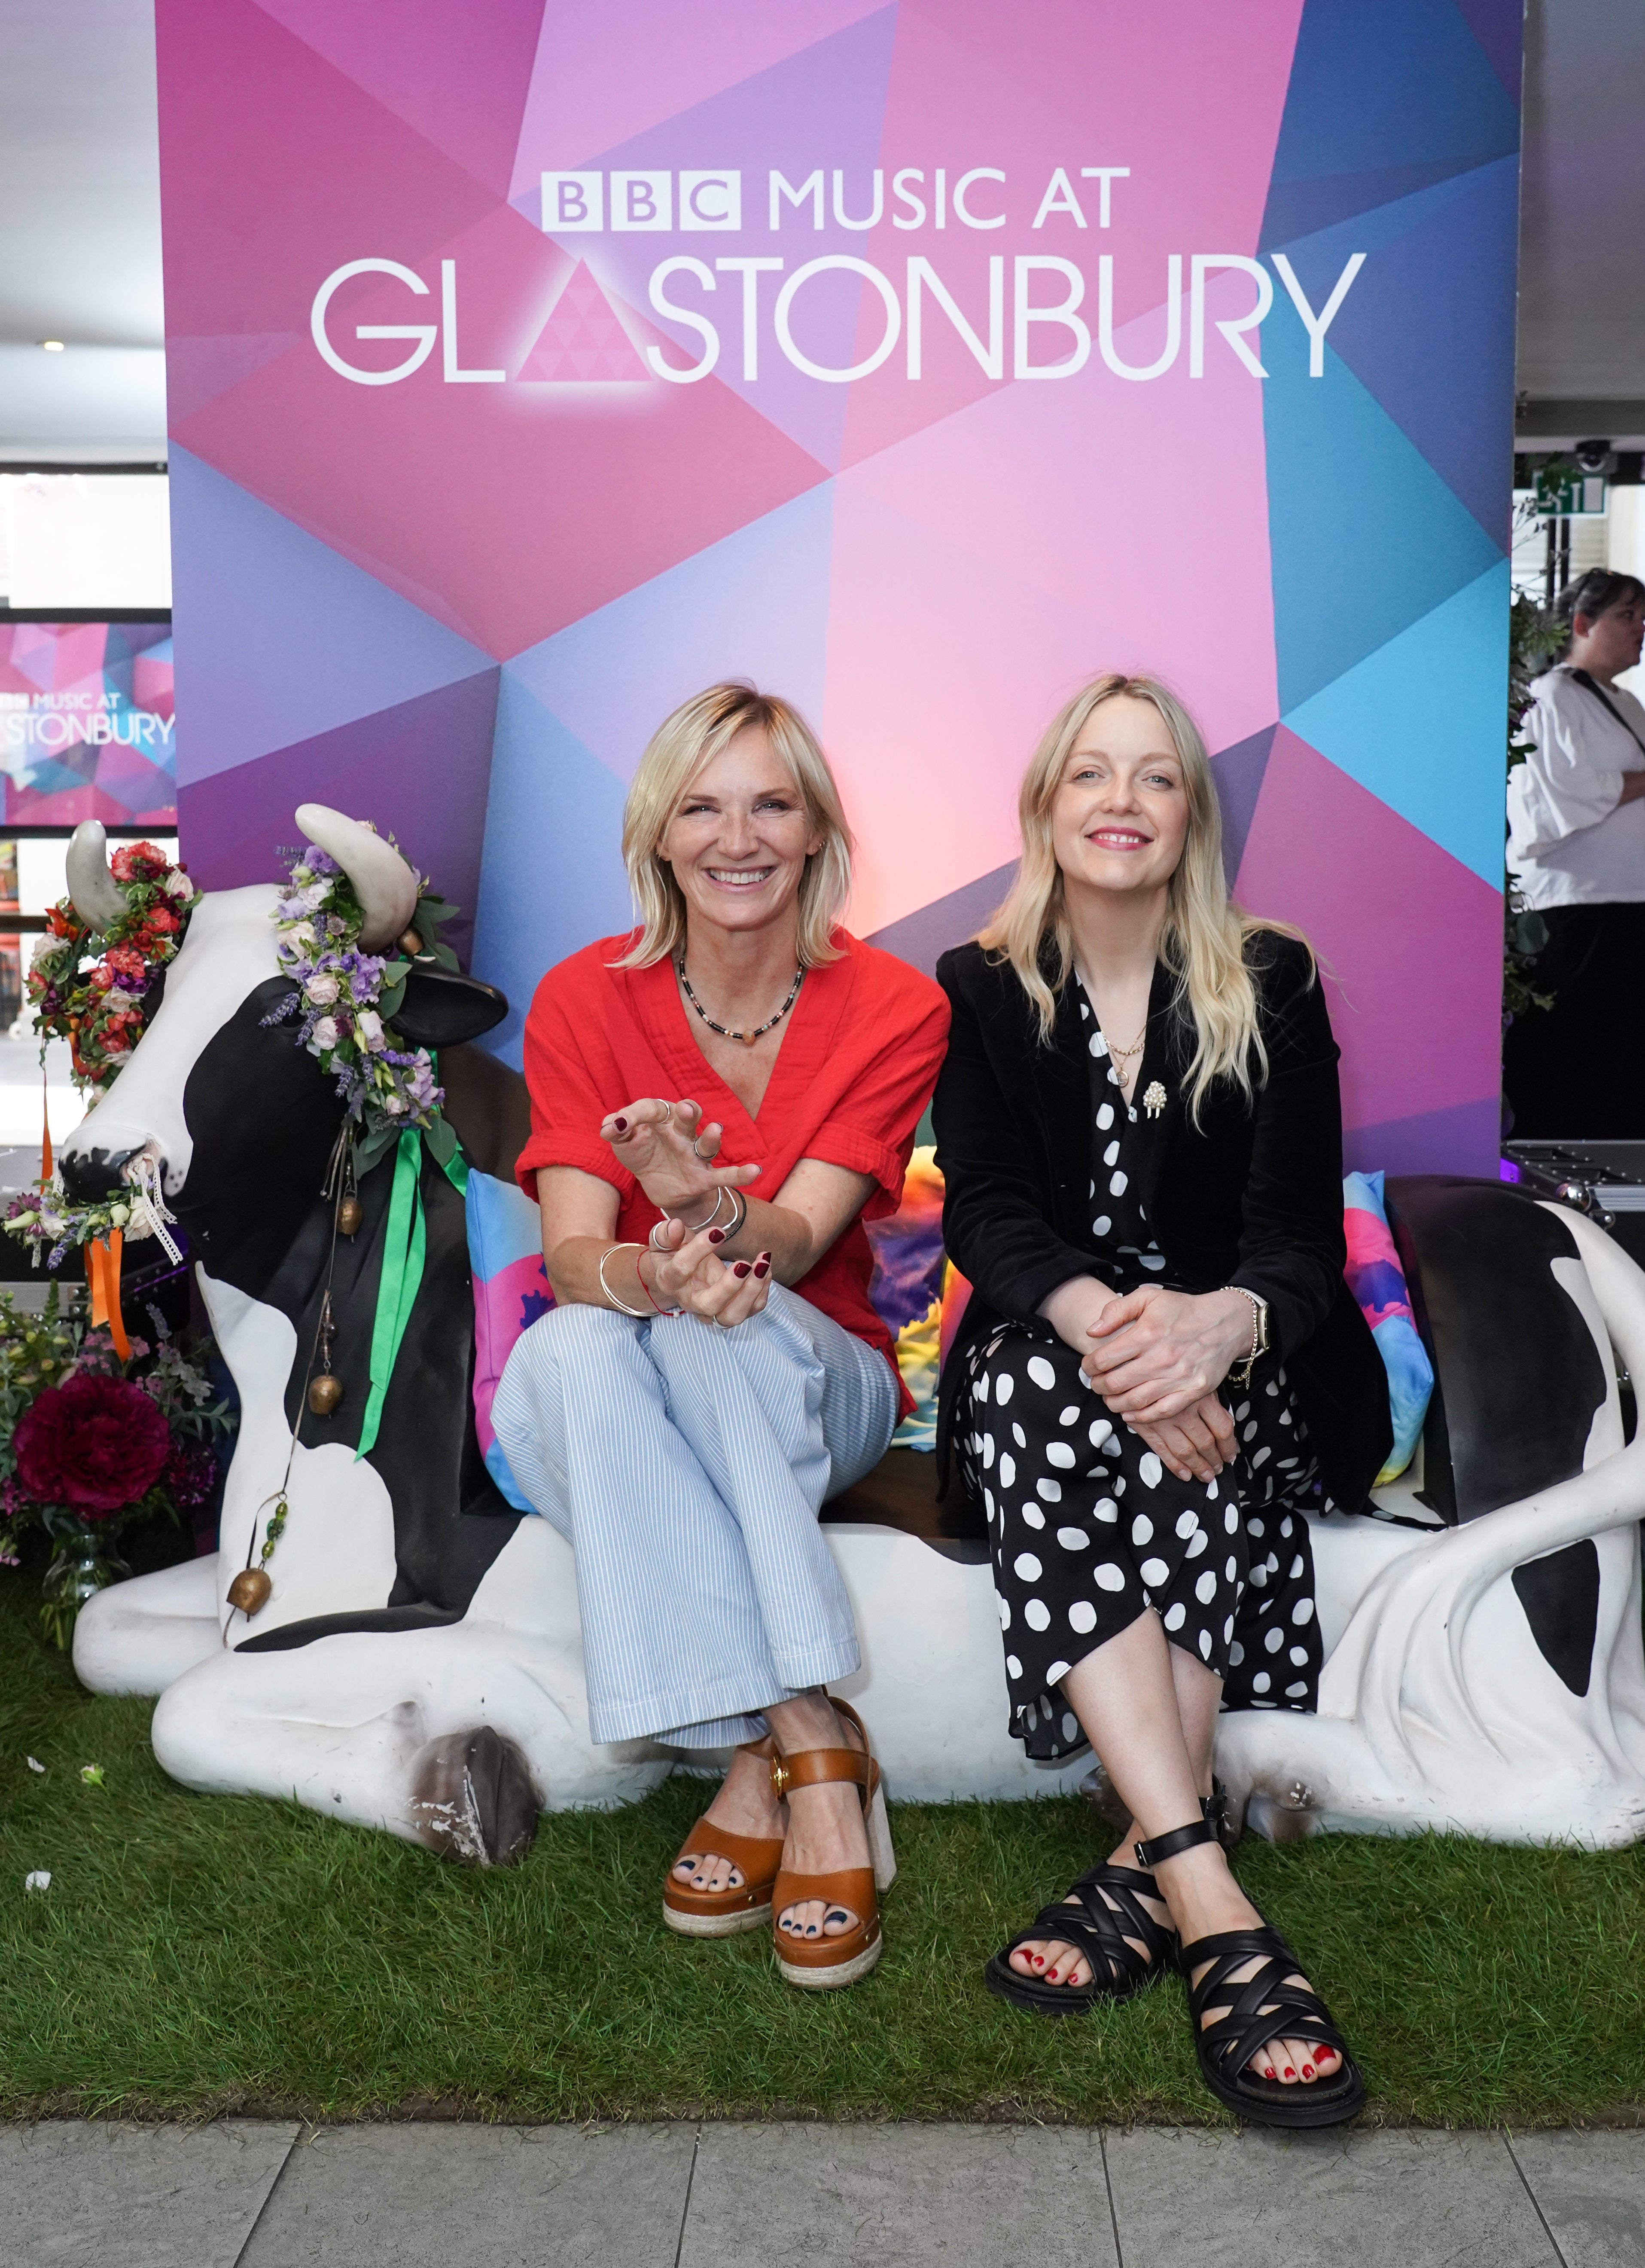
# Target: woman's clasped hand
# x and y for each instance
(670, 1152)
(1157, 1357)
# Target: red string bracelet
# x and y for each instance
(645, 1287)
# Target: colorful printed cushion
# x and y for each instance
(922, 1296)
(907, 1287)
(510, 1291)
(1378, 1282)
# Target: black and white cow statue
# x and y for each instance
(418, 1667)
(1487, 1677)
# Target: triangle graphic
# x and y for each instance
(582, 339)
(1442, 675)
(296, 640)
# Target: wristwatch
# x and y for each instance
(1259, 1335)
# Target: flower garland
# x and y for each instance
(347, 1001)
(90, 987)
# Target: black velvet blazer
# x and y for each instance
(1251, 1196)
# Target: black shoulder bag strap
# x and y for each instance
(1603, 699)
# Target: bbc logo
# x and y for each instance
(575, 203)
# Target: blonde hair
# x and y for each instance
(1205, 936)
(698, 730)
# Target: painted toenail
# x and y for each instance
(1308, 2071)
(1290, 2073)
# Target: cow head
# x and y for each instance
(215, 1096)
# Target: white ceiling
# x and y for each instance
(80, 245)
(80, 241)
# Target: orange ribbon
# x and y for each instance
(102, 1268)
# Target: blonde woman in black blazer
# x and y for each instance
(1161, 1372)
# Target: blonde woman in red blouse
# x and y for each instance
(718, 1099)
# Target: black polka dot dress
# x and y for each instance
(1088, 1527)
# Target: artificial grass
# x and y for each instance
(195, 1955)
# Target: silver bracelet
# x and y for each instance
(710, 1220)
(622, 1304)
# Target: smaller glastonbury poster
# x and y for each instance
(87, 724)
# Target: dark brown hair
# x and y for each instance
(1593, 594)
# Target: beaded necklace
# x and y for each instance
(747, 1038)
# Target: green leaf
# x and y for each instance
(390, 1000)
(374, 1147)
(440, 1136)
(446, 958)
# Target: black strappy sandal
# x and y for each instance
(1118, 1970)
(1263, 2006)
(1100, 1930)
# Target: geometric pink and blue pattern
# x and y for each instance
(457, 599)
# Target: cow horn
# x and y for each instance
(96, 896)
(383, 882)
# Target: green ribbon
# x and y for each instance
(404, 1248)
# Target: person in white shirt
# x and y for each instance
(1576, 848)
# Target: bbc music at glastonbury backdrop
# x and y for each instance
(530, 365)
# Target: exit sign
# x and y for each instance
(1571, 496)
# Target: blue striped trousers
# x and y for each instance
(686, 1464)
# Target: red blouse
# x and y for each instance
(855, 1068)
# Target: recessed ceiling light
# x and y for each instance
(52, 346)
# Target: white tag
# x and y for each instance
(151, 1212)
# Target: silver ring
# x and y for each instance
(668, 1111)
(697, 1153)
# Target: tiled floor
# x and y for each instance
(242, 2193)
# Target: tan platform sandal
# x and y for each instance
(722, 1913)
(821, 1964)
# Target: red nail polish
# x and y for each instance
(1290, 2073)
(1051, 1975)
(1039, 1960)
(622, 1126)
(716, 1236)
(1308, 2071)
(762, 1269)
(740, 1268)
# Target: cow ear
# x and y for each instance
(442, 1007)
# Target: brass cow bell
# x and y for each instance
(411, 945)
(249, 1591)
(324, 1394)
(350, 1215)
